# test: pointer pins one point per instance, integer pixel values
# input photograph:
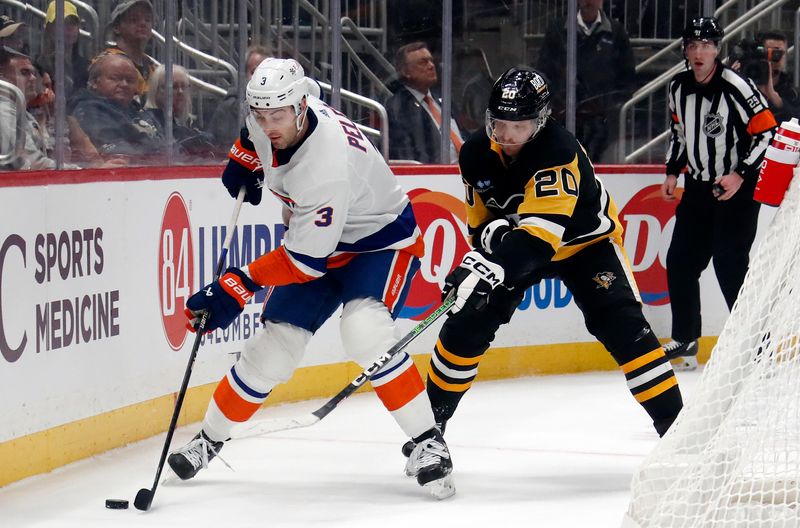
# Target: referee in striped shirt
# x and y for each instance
(721, 127)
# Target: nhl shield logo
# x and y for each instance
(604, 279)
(712, 125)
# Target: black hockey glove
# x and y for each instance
(235, 175)
(224, 299)
(472, 281)
(492, 234)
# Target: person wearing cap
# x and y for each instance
(131, 25)
(76, 66)
(12, 34)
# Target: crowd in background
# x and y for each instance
(116, 101)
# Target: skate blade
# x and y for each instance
(170, 477)
(685, 363)
(441, 489)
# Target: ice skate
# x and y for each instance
(409, 446)
(430, 462)
(194, 456)
(682, 355)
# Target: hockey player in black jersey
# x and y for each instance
(535, 209)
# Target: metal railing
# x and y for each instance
(734, 30)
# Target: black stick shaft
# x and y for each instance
(145, 497)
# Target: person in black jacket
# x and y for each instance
(605, 74)
(415, 114)
(721, 127)
(781, 94)
(109, 114)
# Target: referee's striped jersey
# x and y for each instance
(718, 127)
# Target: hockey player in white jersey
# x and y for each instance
(352, 241)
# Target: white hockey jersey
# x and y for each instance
(342, 197)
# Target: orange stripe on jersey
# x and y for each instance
(675, 118)
(341, 260)
(276, 269)
(417, 248)
(761, 122)
(397, 279)
(245, 157)
(402, 389)
(231, 404)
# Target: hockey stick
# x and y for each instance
(273, 425)
(145, 496)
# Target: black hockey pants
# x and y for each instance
(597, 277)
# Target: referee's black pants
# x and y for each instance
(706, 229)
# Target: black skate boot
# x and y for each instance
(684, 354)
(409, 446)
(430, 462)
(194, 456)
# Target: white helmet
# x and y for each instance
(277, 83)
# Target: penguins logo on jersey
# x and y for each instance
(604, 279)
(712, 125)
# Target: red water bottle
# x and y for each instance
(779, 163)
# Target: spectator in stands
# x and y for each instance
(605, 74)
(192, 142)
(109, 113)
(12, 34)
(132, 25)
(473, 82)
(226, 122)
(18, 70)
(76, 66)
(415, 114)
(782, 96)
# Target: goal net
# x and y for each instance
(732, 458)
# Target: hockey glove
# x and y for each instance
(235, 175)
(472, 281)
(491, 235)
(224, 300)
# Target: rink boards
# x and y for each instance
(95, 267)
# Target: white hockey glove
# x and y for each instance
(472, 281)
(492, 235)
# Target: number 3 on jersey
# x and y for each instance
(552, 182)
(326, 217)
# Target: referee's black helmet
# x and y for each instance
(703, 28)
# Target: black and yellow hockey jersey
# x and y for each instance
(549, 192)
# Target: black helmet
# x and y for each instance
(518, 94)
(703, 28)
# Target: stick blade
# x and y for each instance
(273, 425)
(143, 499)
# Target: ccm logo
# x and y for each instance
(483, 270)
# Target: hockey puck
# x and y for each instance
(116, 504)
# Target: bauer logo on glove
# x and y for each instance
(224, 300)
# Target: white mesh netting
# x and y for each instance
(732, 458)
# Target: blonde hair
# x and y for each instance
(156, 80)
